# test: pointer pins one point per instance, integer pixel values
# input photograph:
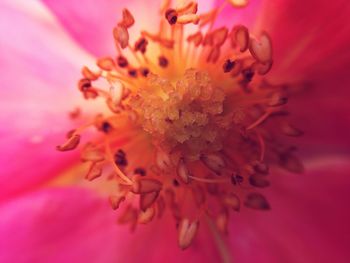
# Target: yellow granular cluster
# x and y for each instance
(186, 114)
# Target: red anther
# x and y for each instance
(87, 73)
(214, 162)
(171, 16)
(70, 144)
(90, 94)
(219, 36)
(121, 36)
(258, 181)
(122, 62)
(141, 45)
(95, 171)
(228, 65)
(163, 61)
(91, 154)
(277, 99)
(290, 130)
(232, 201)
(262, 69)
(208, 40)
(240, 36)
(182, 171)
(106, 63)
(195, 38)
(148, 199)
(84, 84)
(214, 55)
(256, 201)
(291, 163)
(146, 216)
(115, 201)
(128, 19)
(187, 232)
(262, 50)
(143, 186)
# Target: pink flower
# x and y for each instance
(49, 214)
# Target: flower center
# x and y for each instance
(192, 125)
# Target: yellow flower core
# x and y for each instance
(192, 125)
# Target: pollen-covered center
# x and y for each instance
(184, 114)
(190, 124)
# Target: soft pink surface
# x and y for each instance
(308, 222)
(74, 225)
(38, 76)
(91, 24)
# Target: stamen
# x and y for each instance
(187, 232)
(121, 36)
(70, 144)
(256, 201)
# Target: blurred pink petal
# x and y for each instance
(244, 16)
(308, 221)
(310, 38)
(35, 98)
(91, 24)
(74, 225)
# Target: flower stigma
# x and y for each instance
(191, 125)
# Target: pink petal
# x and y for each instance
(310, 38)
(246, 16)
(308, 222)
(39, 66)
(91, 23)
(60, 225)
(323, 113)
(57, 225)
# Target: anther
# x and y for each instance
(248, 74)
(121, 36)
(141, 45)
(143, 186)
(219, 36)
(277, 99)
(70, 144)
(262, 50)
(256, 201)
(120, 158)
(106, 127)
(187, 232)
(195, 38)
(132, 73)
(228, 65)
(214, 162)
(115, 201)
(182, 171)
(122, 62)
(87, 73)
(144, 72)
(95, 171)
(258, 181)
(290, 130)
(240, 36)
(148, 199)
(106, 63)
(238, 3)
(163, 61)
(140, 171)
(84, 84)
(232, 201)
(171, 16)
(128, 19)
(146, 216)
(187, 19)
